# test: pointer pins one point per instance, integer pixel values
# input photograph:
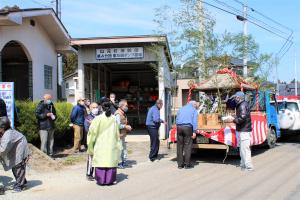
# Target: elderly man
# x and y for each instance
(124, 129)
(153, 122)
(46, 115)
(14, 153)
(187, 124)
(243, 129)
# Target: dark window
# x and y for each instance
(48, 77)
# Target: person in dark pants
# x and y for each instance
(46, 115)
(187, 124)
(14, 153)
(153, 122)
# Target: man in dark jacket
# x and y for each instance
(77, 119)
(46, 115)
(243, 130)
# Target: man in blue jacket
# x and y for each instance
(153, 122)
(187, 124)
(77, 119)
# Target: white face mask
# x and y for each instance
(95, 111)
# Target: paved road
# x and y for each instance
(276, 176)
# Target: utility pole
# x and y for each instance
(277, 77)
(201, 68)
(59, 56)
(58, 8)
(296, 80)
(245, 59)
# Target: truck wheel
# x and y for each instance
(271, 138)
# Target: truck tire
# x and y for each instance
(271, 138)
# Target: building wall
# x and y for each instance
(39, 49)
(182, 85)
(71, 90)
(87, 54)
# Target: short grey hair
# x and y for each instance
(159, 101)
(4, 123)
(122, 102)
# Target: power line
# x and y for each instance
(249, 16)
(253, 10)
(41, 4)
(286, 43)
(239, 2)
(263, 15)
(235, 14)
(267, 29)
(291, 43)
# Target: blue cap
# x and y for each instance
(238, 94)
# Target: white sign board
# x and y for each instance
(119, 53)
(7, 94)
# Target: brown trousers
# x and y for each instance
(78, 133)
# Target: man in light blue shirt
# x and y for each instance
(153, 122)
(187, 124)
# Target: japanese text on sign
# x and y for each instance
(7, 94)
(120, 53)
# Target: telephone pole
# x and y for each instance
(296, 78)
(58, 8)
(245, 24)
(59, 56)
(201, 68)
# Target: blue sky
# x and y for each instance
(96, 18)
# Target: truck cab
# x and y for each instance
(289, 113)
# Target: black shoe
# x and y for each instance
(188, 167)
(90, 178)
(2, 190)
(17, 189)
(180, 167)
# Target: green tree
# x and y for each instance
(70, 63)
(10, 8)
(181, 25)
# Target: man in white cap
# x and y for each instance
(243, 129)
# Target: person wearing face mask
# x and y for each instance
(243, 129)
(77, 119)
(46, 115)
(94, 108)
(113, 107)
(14, 153)
(121, 119)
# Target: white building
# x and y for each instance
(30, 41)
(136, 68)
(71, 85)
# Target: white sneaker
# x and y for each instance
(250, 169)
